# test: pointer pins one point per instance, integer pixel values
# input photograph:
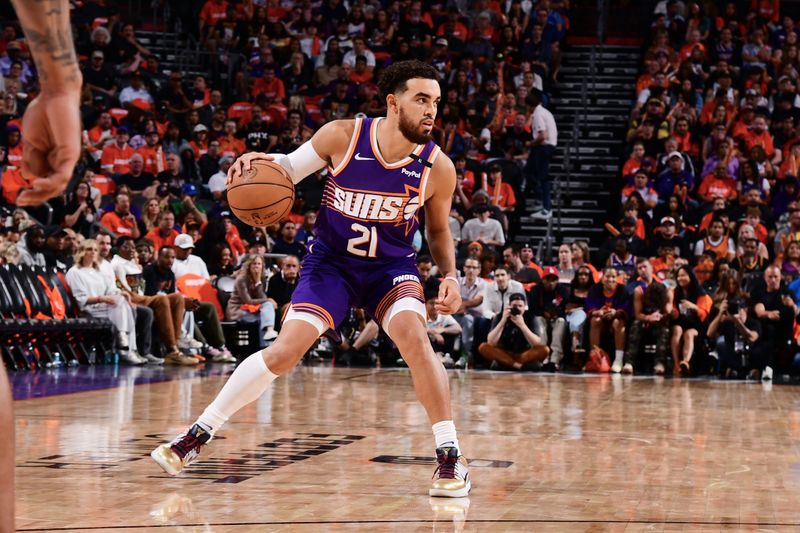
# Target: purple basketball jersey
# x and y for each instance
(370, 208)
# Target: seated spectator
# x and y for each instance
(519, 271)
(546, 302)
(443, 331)
(221, 264)
(80, 211)
(581, 257)
(282, 285)
(100, 298)
(483, 229)
(31, 247)
(164, 233)
(751, 266)
(54, 248)
(652, 305)
(716, 242)
(471, 310)
(287, 243)
(500, 192)
(136, 178)
(115, 159)
(674, 179)
(608, 306)
(154, 160)
(249, 302)
(641, 184)
(167, 309)
(717, 185)
(496, 296)
(217, 183)
(668, 238)
(689, 312)
(621, 258)
(575, 310)
(735, 332)
(565, 269)
(511, 342)
(121, 221)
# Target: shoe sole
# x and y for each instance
(440, 493)
(160, 461)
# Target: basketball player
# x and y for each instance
(382, 172)
(47, 163)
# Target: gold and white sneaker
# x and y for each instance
(451, 478)
(181, 452)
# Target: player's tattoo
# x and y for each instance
(55, 42)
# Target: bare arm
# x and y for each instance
(48, 158)
(441, 184)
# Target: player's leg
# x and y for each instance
(6, 456)
(247, 383)
(405, 325)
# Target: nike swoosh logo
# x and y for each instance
(359, 158)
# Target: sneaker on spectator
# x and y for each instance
(447, 360)
(755, 375)
(401, 362)
(543, 214)
(186, 343)
(767, 374)
(616, 368)
(658, 370)
(218, 356)
(129, 357)
(270, 334)
(463, 362)
(627, 368)
(152, 359)
(177, 358)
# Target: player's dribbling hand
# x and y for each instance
(449, 299)
(51, 145)
(244, 162)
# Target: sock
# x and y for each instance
(249, 381)
(619, 355)
(445, 434)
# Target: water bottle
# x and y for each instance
(93, 355)
(57, 360)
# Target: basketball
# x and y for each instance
(262, 195)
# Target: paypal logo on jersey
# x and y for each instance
(410, 173)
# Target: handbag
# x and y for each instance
(599, 361)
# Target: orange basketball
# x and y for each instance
(262, 195)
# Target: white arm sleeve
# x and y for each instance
(301, 163)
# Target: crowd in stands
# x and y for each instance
(146, 216)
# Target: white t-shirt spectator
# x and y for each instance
(475, 230)
(190, 265)
(700, 246)
(216, 183)
(494, 300)
(129, 94)
(350, 58)
(543, 120)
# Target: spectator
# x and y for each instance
(249, 302)
(483, 229)
(511, 342)
(518, 270)
(81, 212)
(167, 309)
(736, 333)
(496, 296)
(185, 262)
(287, 244)
(565, 269)
(282, 285)
(547, 302)
(537, 169)
(100, 298)
(121, 221)
(153, 159)
(575, 309)
(471, 311)
(443, 331)
(136, 178)
(608, 306)
(776, 310)
(716, 242)
(689, 315)
(217, 183)
(116, 156)
(164, 233)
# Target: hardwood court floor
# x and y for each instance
(348, 450)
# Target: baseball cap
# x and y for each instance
(668, 220)
(184, 241)
(150, 131)
(628, 221)
(54, 230)
(199, 128)
(441, 41)
(550, 271)
(123, 129)
(517, 296)
(526, 245)
(674, 154)
(226, 159)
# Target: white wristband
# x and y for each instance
(453, 278)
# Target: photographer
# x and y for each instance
(512, 342)
(736, 332)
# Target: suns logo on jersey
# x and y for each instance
(374, 206)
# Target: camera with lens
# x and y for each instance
(514, 311)
(734, 306)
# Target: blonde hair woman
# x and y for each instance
(249, 300)
(97, 296)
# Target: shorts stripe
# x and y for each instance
(406, 289)
(315, 310)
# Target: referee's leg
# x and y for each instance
(6, 456)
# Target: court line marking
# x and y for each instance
(421, 521)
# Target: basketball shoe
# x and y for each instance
(451, 478)
(181, 452)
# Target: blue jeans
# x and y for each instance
(537, 173)
(265, 317)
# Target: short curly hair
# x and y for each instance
(394, 78)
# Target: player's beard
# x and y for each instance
(412, 131)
